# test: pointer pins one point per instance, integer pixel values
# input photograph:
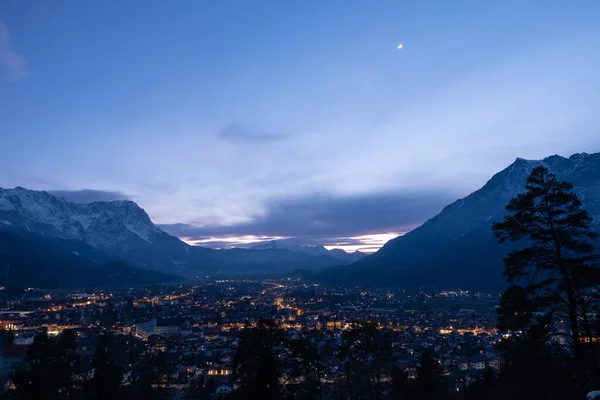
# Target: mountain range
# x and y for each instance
(87, 237)
(456, 248)
(319, 250)
(47, 241)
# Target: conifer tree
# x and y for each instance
(557, 269)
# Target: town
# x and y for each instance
(191, 333)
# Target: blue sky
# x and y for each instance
(232, 120)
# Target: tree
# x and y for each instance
(366, 354)
(557, 271)
(484, 387)
(110, 316)
(429, 384)
(516, 310)
(130, 305)
(106, 383)
(145, 376)
(306, 348)
(256, 362)
(401, 388)
(533, 367)
(47, 370)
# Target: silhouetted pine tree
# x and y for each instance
(47, 368)
(366, 357)
(485, 387)
(557, 269)
(106, 382)
(401, 387)
(430, 383)
(256, 363)
(534, 368)
(311, 369)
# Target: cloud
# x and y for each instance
(241, 133)
(89, 195)
(11, 64)
(327, 219)
(366, 243)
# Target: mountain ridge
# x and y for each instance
(456, 248)
(124, 231)
(317, 250)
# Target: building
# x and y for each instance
(174, 326)
(223, 389)
(11, 359)
(164, 327)
(217, 370)
(478, 363)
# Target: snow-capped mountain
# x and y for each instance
(456, 248)
(121, 230)
(104, 225)
(318, 250)
(282, 245)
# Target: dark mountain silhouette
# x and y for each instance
(456, 248)
(37, 262)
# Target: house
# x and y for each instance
(212, 333)
(478, 363)
(223, 389)
(11, 322)
(11, 358)
(217, 370)
(462, 364)
(493, 362)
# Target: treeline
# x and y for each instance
(53, 369)
(270, 365)
(549, 315)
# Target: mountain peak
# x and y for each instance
(318, 250)
(104, 225)
(456, 248)
(579, 156)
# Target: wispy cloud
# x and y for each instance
(236, 132)
(89, 195)
(349, 222)
(12, 64)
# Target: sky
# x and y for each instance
(231, 122)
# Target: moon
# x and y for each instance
(400, 46)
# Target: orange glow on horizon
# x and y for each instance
(234, 241)
(367, 243)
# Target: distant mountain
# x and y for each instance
(119, 228)
(339, 254)
(122, 231)
(456, 248)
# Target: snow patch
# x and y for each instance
(104, 225)
(141, 231)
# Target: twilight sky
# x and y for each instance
(230, 121)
